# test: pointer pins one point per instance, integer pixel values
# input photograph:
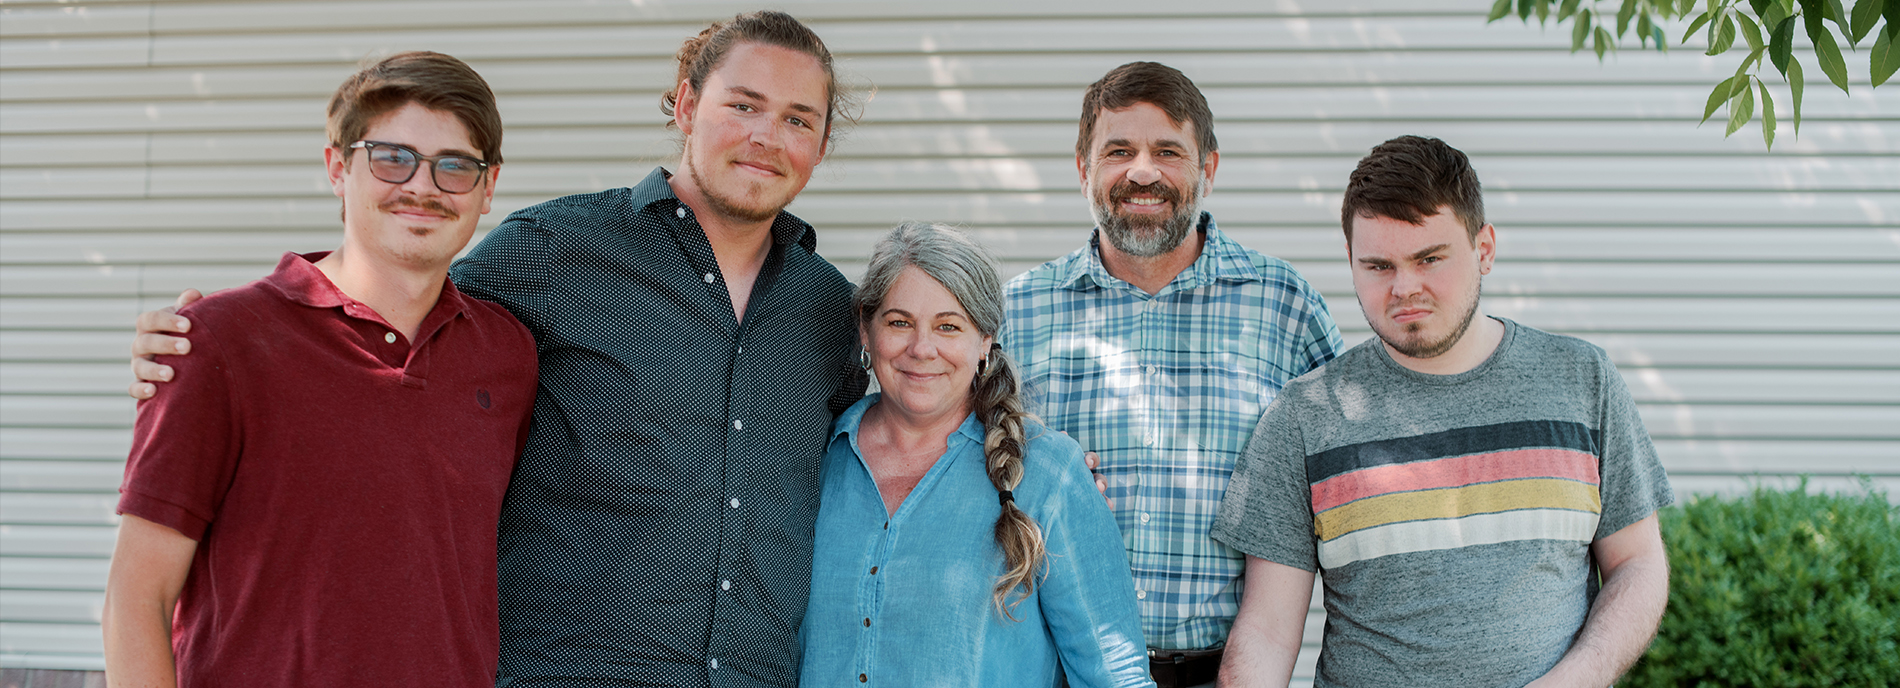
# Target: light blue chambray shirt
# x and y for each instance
(1167, 388)
(905, 599)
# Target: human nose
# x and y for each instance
(1143, 170)
(1406, 282)
(422, 181)
(765, 133)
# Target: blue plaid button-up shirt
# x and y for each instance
(1167, 388)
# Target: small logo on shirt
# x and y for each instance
(481, 397)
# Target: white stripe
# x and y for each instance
(1453, 533)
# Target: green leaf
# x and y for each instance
(1866, 13)
(1829, 54)
(1604, 41)
(1697, 24)
(1886, 57)
(1750, 31)
(1724, 37)
(1565, 10)
(1580, 31)
(1837, 14)
(1623, 16)
(1773, 18)
(1794, 84)
(1642, 28)
(1723, 91)
(1767, 116)
(1524, 8)
(1781, 45)
(1498, 10)
(1758, 5)
(1741, 108)
(1662, 42)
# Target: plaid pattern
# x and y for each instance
(1166, 389)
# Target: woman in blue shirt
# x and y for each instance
(959, 542)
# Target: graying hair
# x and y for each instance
(949, 256)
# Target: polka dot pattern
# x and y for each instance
(658, 530)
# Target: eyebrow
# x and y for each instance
(755, 95)
(1428, 251)
(907, 314)
(1159, 143)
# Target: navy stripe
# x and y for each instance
(1529, 434)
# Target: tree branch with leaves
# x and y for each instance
(1767, 27)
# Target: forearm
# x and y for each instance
(138, 643)
(1621, 623)
(1265, 639)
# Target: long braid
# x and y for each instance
(997, 405)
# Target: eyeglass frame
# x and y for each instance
(367, 146)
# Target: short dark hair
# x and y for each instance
(1409, 178)
(701, 55)
(432, 80)
(1155, 84)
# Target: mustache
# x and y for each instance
(424, 204)
(1159, 189)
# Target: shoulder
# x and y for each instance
(1052, 458)
(577, 207)
(237, 304)
(1045, 277)
(1546, 348)
(1317, 385)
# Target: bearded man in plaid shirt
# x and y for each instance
(1158, 346)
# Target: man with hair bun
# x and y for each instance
(1478, 495)
(694, 351)
(1158, 345)
(313, 502)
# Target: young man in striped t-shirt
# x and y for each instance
(1459, 481)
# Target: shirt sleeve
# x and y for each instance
(510, 267)
(1088, 595)
(1634, 484)
(185, 441)
(1267, 510)
(1323, 341)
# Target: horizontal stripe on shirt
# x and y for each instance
(1454, 472)
(1455, 442)
(1451, 534)
(1456, 502)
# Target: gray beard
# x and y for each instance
(1147, 240)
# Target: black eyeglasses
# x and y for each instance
(396, 163)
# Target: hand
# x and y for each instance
(1101, 483)
(151, 341)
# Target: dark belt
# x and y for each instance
(1183, 668)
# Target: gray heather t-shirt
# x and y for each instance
(1449, 515)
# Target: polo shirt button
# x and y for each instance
(734, 503)
(708, 277)
(725, 585)
(389, 337)
(738, 424)
(1141, 594)
(680, 212)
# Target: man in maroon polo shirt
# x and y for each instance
(316, 496)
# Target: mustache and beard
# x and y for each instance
(1147, 236)
(1409, 339)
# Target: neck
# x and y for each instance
(1151, 273)
(740, 246)
(1471, 351)
(908, 432)
(402, 295)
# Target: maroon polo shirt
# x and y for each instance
(342, 482)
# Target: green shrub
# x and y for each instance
(1779, 588)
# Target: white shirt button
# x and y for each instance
(708, 277)
(1151, 370)
(1141, 594)
(734, 503)
(738, 424)
(681, 213)
(715, 662)
(390, 337)
(725, 585)
(1144, 518)
(1149, 440)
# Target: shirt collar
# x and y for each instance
(1221, 260)
(847, 423)
(787, 229)
(299, 280)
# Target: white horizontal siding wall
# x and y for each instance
(1752, 299)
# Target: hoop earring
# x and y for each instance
(982, 364)
(864, 359)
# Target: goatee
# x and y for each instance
(1141, 236)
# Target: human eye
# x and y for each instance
(948, 327)
(743, 107)
(458, 165)
(897, 323)
(390, 155)
(798, 122)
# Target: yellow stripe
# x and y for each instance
(1454, 502)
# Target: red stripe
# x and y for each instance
(1455, 471)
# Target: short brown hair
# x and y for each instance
(1155, 84)
(432, 80)
(701, 55)
(1409, 178)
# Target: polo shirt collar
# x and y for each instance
(1221, 260)
(787, 229)
(299, 280)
